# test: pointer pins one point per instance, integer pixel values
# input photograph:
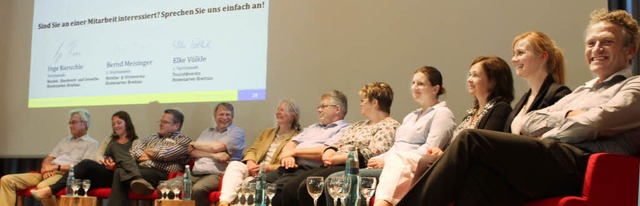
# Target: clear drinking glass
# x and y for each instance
(315, 185)
(252, 191)
(240, 192)
(176, 187)
(345, 188)
(368, 187)
(163, 189)
(333, 187)
(246, 189)
(86, 184)
(271, 191)
(75, 186)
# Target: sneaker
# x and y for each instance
(142, 187)
(46, 194)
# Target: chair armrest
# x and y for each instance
(611, 179)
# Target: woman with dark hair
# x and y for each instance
(100, 170)
(538, 60)
(491, 84)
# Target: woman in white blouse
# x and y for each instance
(429, 126)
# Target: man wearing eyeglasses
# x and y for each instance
(68, 152)
(304, 151)
(141, 169)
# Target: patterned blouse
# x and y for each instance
(371, 140)
(467, 122)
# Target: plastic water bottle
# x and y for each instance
(352, 172)
(70, 180)
(186, 179)
(261, 186)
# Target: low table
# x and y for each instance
(160, 202)
(78, 201)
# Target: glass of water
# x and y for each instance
(252, 191)
(176, 187)
(271, 191)
(163, 189)
(368, 187)
(86, 184)
(315, 185)
(334, 185)
(246, 188)
(77, 183)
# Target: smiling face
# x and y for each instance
(282, 117)
(223, 118)
(525, 60)
(478, 81)
(421, 89)
(118, 126)
(605, 52)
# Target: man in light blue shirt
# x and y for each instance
(213, 150)
(304, 151)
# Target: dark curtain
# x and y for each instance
(633, 7)
(21, 165)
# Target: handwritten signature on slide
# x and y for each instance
(193, 44)
(67, 51)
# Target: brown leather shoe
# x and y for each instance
(142, 187)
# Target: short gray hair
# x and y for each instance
(84, 115)
(337, 98)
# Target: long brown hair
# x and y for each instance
(128, 125)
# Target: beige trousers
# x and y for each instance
(9, 184)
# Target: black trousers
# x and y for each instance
(86, 169)
(126, 171)
(484, 167)
(295, 191)
(283, 178)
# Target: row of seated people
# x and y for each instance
(429, 127)
(410, 158)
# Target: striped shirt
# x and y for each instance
(170, 155)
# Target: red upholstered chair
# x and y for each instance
(214, 196)
(610, 179)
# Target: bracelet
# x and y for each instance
(330, 148)
(58, 167)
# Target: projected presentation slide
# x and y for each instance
(89, 52)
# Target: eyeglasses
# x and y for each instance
(75, 122)
(322, 106)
